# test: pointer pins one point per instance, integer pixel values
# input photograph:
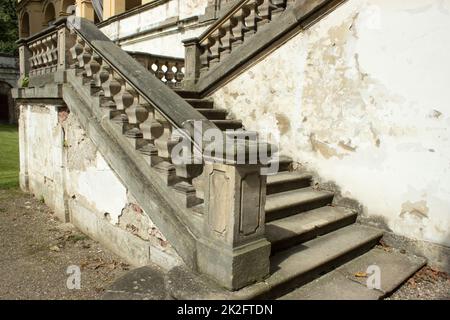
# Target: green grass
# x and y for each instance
(9, 157)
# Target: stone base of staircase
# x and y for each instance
(313, 272)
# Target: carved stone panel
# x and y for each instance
(219, 202)
(250, 208)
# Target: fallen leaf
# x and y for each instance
(55, 248)
(361, 275)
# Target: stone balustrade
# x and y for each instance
(227, 197)
(169, 70)
(43, 54)
(229, 32)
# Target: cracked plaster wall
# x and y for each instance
(362, 98)
(66, 171)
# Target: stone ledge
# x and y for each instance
(48, 91)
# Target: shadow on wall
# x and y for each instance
(7, 113)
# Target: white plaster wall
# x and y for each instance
(165, 42)
(169, 44)
(42, 152)
(60, 165)
(363, 98)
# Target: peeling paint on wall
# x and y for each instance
(365, 92)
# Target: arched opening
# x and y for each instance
(25, 26)
(130, 4)
(49, 14)
(68, 7)
(6, 103)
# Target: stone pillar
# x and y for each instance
(65, 42)
(85, 9)
(234, 251)
(24, 63)
(112, 8)
(23, 147)
(191, 63)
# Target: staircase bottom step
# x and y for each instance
(349, 282)
(289, 269)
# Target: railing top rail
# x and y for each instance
(176, 110)
(154, 56)
(235, 8)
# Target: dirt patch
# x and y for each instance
(36, 251)
(427, 284)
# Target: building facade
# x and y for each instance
(352, 93)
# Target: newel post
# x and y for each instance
(191, 64)
(234, 251)
(24, 62)
(65, 42)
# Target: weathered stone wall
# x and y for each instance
(362, 98)
(61, 166)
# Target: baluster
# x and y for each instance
(102, 75)
(123, 98)
(92, 67)
(137, 114)
(112, 85)
(265, 8)
(186, 191)
(169, 75)
(85, 56)
(251, 19)
(179, 75)
(164, 145)
(54, 51)
(76, 51)
(238, 28)
(186, 172)
(204, 57)
(227, 37)
(151, 129)
(280, 6)
(214, 57)
(159, 72)
(39, 58)
(47, 55)
(32, 59)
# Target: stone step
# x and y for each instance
(343, 284)
(288, 203)
(213, 114)
(305, 262)
(228, 124)
(290, 231)
(284, 163)
(285, 181)
(201, 103)
(185, 94)
(290, 269)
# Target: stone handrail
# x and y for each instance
(231, 30)
(148, 113)
(251, 30)
(169, 70)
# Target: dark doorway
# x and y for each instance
(4, 108)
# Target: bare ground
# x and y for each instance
(36, 250)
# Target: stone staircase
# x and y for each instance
(309, 235)
(212, 213)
